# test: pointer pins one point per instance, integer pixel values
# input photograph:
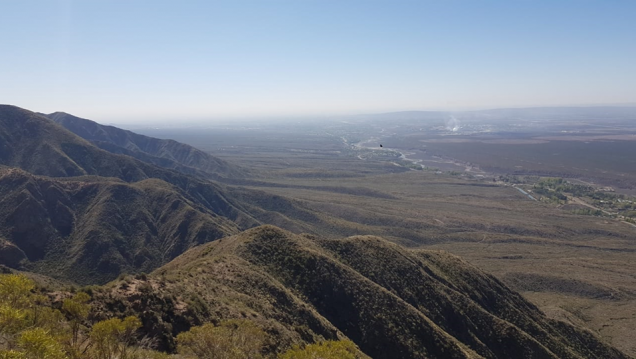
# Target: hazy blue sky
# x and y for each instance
(118, 60)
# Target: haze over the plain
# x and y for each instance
(120, 61)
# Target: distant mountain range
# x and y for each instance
(84, 203)
(506, 114)
(163, 153)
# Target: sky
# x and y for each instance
(117, 61)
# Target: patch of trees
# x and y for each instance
(588, 212)
(559, 185)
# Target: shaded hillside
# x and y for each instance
(90, 229)
(40, 146)
(391, 301)
(164, 153)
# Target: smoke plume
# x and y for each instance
(452, 124)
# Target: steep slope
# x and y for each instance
(38, 145)
(391, 301)
(164, 153)
(90, 229)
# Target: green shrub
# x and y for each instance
(331, 349)
(233, 339)
(38, 343)
(112, 338)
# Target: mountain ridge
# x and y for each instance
(105, 227)
(163, 153)
(303, 289)
(40, 146)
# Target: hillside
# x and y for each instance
(89, 229)
(38, 145)
(391, 301)
(163, 153)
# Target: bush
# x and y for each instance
(630, 214)
(34, 330)
(233, 339)
(341, 349)
(38, 343)
(76, 310)
(15, 290)
(112, 338)
(11, 354)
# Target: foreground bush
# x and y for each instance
(112, 338)
(331, 349)
(233, 339)
(31, 329)
(39, 343)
